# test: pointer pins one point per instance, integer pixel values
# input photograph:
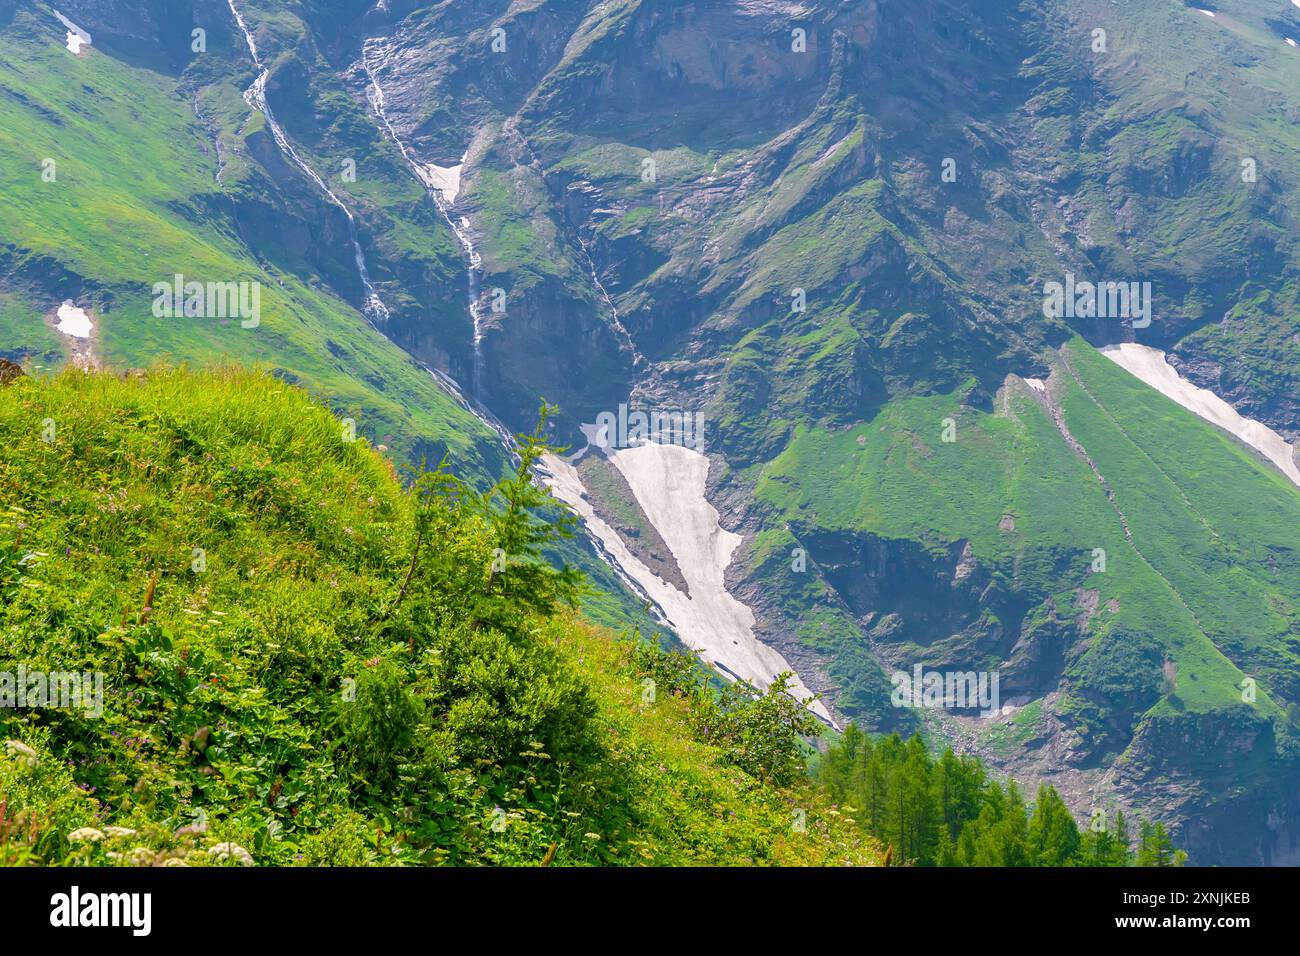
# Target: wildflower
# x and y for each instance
(140, 856)
(21, 752)
(227, 851)
(85, 834)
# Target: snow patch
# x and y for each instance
(77, 38)
(1291, 42)
(1149, 365)
(74, 321)
(1208, 13)
(668, 482)
(445, 179)
(772, 8)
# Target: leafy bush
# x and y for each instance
(759, 731)
(378, 727)
(306, 663)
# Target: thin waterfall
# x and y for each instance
(442, 186)
(255, 96)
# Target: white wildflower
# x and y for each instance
(140, 856)
(22, 752)
(227, 851)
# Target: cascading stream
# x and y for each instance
(255, 96)
(375, 309)
(616, 319)
(442, 197)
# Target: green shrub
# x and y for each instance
(354, 672)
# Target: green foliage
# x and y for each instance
(379, 725)
(948, 812)
(1053, 835)
(758, 731)
(491, 586)
(345, 677)
(1155, 848)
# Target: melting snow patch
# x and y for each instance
(73, 321)
(445, 179)
(669, 483)
(77, 38)
(1290, 42)
(1150, 366)
(1208, 13)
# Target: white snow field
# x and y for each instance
(445, 179)
(77, 39)
(73, 321)
(669, 483)
(1150, 366)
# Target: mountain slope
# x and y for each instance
(983, 554)
(275, 677)
(112, 223)
(827, 228)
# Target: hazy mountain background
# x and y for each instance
(645, 185)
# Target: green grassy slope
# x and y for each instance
(1206, 578)
(227, 716)
(136, 200)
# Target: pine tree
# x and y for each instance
(1099, 845)
(1122, 855)
(1155, 848)
(1015, 829)
(519, 574)
(1053, 834)
(959, 783)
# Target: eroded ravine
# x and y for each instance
(443, 186)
